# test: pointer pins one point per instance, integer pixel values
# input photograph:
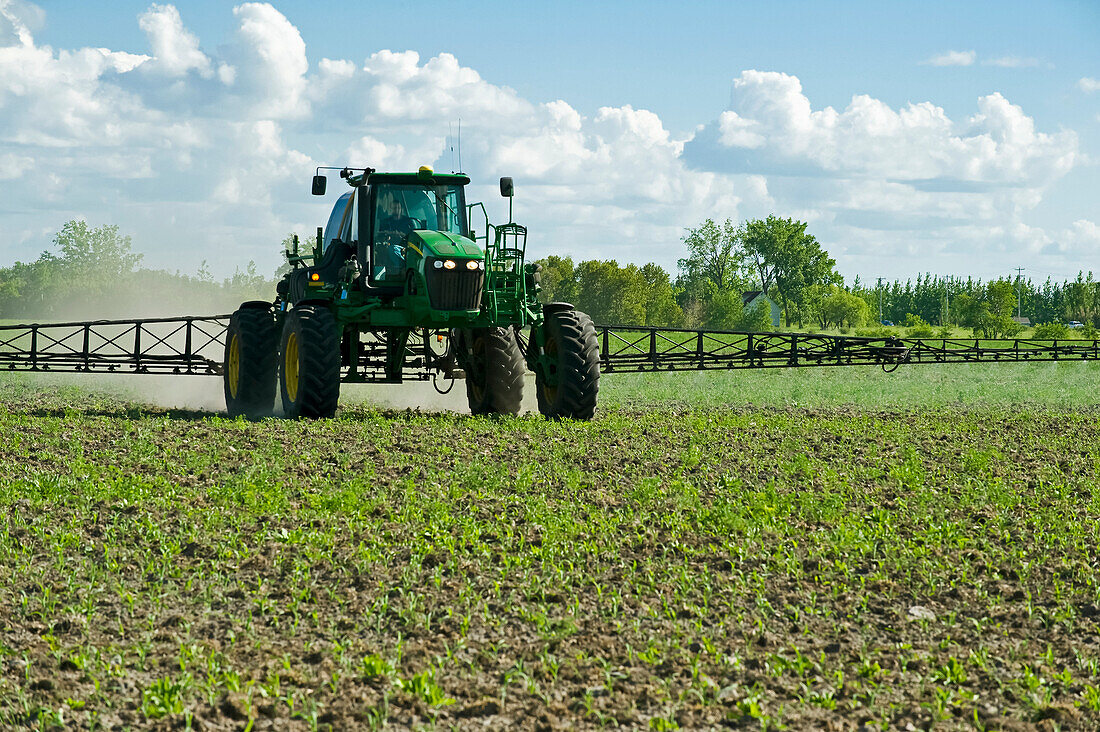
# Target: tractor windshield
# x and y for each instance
(402, 209)
(439, 208)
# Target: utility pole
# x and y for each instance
(945, 309)
(880, 301)
(1019, 293)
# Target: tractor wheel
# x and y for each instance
(248, 371)
(569, 390)
(495, 368)
(309, 367)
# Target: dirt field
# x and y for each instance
(801, 568)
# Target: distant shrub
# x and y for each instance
(757, 319)
(922, 331)
(880, 332)
(1050, 332)
(987, 325)
(844, 308)
(1010, 328)
(918, 328)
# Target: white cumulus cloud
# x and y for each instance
(18, 21)
(1013, 62)
(1088, 84)
(175, 49)
(953, 58)
(772, 116)
(206, 153)
(269, 62)
(1082, 237)
(908, 181)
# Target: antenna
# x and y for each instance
(451, 144)
(459, 144)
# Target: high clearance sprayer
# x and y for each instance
(399, 256)
(402, 284)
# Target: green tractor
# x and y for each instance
(399, 285)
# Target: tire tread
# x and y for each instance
(506, 367)
(259, 344)
(319, 363)
(578, 367)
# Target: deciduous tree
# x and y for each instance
(788, 260)
(714, 254)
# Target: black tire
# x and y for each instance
(309, 363)
(494, 371)
(574, 353)
(248, 369)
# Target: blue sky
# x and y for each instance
(957, 138)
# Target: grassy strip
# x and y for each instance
(976, 386)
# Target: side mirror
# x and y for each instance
(506, 188)
(320, 182)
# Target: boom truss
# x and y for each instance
(194, 345)
(186, 346)
(667, 349)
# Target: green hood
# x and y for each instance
(444, 244)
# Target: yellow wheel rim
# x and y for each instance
(290, 368)
(233, 372)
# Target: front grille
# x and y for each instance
(454, 289)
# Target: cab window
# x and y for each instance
(335, 218)
(398, 212)
(350, 232)
(401, 209)
(451, 209)
(438, 208)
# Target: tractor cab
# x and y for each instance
(397, 226)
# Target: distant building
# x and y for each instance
(756, 298)
(1026, 322)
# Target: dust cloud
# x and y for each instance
(159, 296)
(423, 396)
(191, 393)
(196, 393)
(204, 393)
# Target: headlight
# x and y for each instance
(439, 264)
(471, 264)
(449, 264)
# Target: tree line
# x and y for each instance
(778, 256)
(986, 306)
(95, 273)
(722, 262)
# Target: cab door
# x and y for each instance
(386, 248)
